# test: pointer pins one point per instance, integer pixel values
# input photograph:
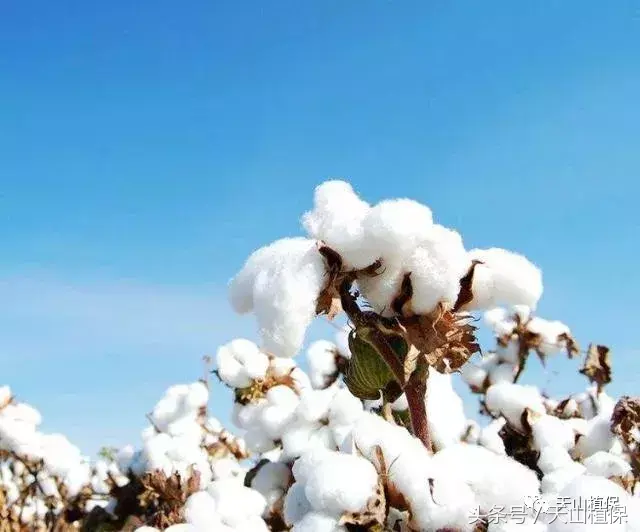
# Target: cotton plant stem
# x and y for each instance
(415, 389)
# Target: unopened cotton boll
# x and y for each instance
(503, 277)
(240, 362)
(337, 220)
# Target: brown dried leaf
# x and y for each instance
(373, 516)
(597, 365)
(626, 418)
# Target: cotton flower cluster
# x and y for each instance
(282, 282)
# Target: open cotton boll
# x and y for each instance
(549, 333)
(318, 522)
(474, 375)
(597, 437)
(552, 431)
(396, 227)
(303, 436)
(279, 412)
(510, 400)
(445, 410)
(321, 357)
(436, 267)
(240, 362)
(380, 290)
(606, 465)
(337, 219)
(285, 296)
(344, 408)
(490, 436)
(272, 480)
(5, 395)
(504, 372)
(341, 483)
(342, 342)
(503, 277)
(234, 502)
(296, 505)
(577, 495)
(500, 322)
(495, 479)
(200, 510)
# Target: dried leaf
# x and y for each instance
(597, 365)
(372, 518)
(626, 418)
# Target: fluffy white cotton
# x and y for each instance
(337, 220)
(321, 357)
(552, 431)
(318, 522)
(285, 295)
(504, 278)
(340, 483)
(597, 437)
(510, 400)
(550, 334)
(396, 227)
(490, 436)
(281, 284)
(380, 290)
(606, 465)
(436, 267)
(445, 410)
(240, 362)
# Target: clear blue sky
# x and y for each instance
(146, 148)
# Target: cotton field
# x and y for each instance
(372, 435)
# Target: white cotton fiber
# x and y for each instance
(318, 522)
(396, 227)
(341, 483)
(436, 267)
(504, 278)
(510, 400)
(382, 289)
(337, 220)
(240, 362)
(445, 410)
(490, 436)
(552, 431)
(285, 295)
(549, 333)
(606, 465)
(321, 357)
(296, 505)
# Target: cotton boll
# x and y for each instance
(246, 416)
(396, 227)
(598, 437)
(549, 333)
(5, 395)
(341, 483)
(510, 400)
(503, 277)
(182, 527)
(240, 362)
(577, 494)
(552, 431)
(606, 465)
(342, 342)
(279, 412)
(304, 436)
(197, 396)
(400, 404)
(321, 357)
(258, 441)
(285, 296)
(318, 522)
(337, 220)
(490, 436)
(380, 290)
(344, 408)
(504, 372)
(495, 479)
(474, 375)
(436, 267)
(272, 480)
(235, 502)
(200, 511)
(446, 424)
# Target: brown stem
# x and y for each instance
(416, 391)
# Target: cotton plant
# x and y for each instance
(372, 436)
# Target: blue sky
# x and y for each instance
(147, 148)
